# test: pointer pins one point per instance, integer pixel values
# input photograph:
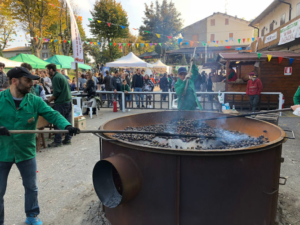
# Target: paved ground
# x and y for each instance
(66, 194)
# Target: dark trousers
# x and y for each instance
(165, 96)
(253, 102)
(65, 110)
(27, 170)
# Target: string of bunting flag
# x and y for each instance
(280, 58)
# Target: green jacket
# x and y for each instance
(190, 98)
(21, 147)
(125, 88)
(61, 89)
(297, 97)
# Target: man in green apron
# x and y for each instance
(20, 111)
(189, 101)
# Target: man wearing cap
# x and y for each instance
(22, 110)
(254, 88)
(187, 100)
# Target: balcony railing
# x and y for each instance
(264, 46)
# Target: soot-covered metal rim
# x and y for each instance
(195, 152)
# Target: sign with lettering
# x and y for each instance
(271, 37)
(287, 70)
(289, 33)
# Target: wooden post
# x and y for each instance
(77, 76)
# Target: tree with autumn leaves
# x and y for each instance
(42, 20)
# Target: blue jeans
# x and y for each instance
(137, 97)
(28, 170)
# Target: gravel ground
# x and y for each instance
(67, 197)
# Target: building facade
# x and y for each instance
(218, 29)
(11, 52)
(276, 20)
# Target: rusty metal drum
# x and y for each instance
(140, 184)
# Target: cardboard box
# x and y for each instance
(80, 122)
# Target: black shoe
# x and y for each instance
(143, 106)
(66, 142)
(138, 106)
(54, 145)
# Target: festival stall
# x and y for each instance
(9, 63)
(131, 61)
(160, 67)
(65, 62)
(34, 61)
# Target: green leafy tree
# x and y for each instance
(109, 11)
(162, 19)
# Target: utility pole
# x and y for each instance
(226, 4)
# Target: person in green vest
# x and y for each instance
(62, 99)
(21, 111)
(189, 101)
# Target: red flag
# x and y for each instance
(134, 28)
(169, 37)
(109, 24)
(91, 43)
(280, 59)
(115, 44)
(217, 42)
(228, 47)
(35, 38)
(65, 41)
(244, 40)
(128, 44)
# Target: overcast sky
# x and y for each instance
(191, 11)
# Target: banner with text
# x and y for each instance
(290, 32)
(76, 39)
(271, 37)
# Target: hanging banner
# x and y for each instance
(289, 33)
(76, 39)
(271, 37)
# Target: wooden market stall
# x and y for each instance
(279, 74)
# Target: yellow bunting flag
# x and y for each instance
(60, 42)
(137, 44)
(95, 43)
(221, 41)
(158, 35)
(216, 45)
(248, 39)
(99, 21)
(51, 40)
(171, 43)
(146, 45)
(269, 57)
(191, 43)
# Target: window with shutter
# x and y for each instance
(212, 22)
(212, 37)
(226, 21)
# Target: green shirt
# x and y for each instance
(297, 97)
(190, 99)
(125, 88)
(21, 147)
(61, 89)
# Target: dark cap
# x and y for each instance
(182, 70)
(18, 72)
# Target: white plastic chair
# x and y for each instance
(86, 104)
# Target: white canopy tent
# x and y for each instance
(130, 60)
(9, 63)
(159, 64)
